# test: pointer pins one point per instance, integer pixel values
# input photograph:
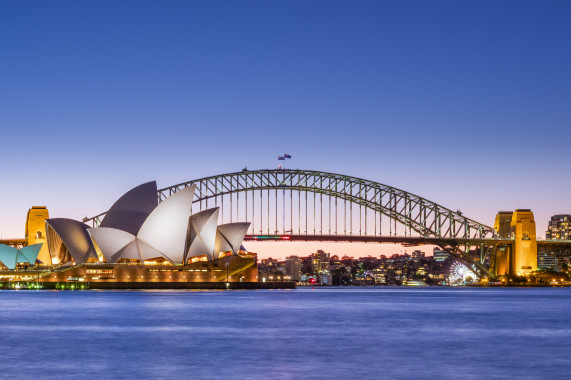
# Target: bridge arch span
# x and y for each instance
(417, 216)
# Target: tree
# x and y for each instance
(341, 276)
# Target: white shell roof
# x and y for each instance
(169, 230)
(202, 233)
(74, 236)
(110, 241)
(130, 211)
(165, 229)
(162, 234)
(229, 237)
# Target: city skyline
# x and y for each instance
(471, 123)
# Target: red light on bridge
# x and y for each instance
(285, 237)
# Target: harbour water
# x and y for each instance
(341, 333)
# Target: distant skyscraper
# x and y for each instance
(320, 261)
(293, 268)
(547, 262)
(558, 228)
(440, 254)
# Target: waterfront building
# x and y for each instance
(380, 276)
(366, 270)
(307, 279)
(320, 261)
(547, 262)
(281, 268)
(271, 270)
(365, 279)
(440, 254)
(325, 279)
(293, 268)
(559, 227)
(270, 263)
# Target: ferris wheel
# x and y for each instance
(460, 272)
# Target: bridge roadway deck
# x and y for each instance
(14, 242)
(406, 240)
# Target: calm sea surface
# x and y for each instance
(343, 333)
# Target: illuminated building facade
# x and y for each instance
(520, 256)
(559, 227)
(525, 242)
(36, 231)
(320, 261)
(547, 262)
(293, 268)
(503, 228)
(440, 254)
(228, 269)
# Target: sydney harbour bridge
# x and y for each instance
(306, 205)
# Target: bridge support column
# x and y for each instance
(503, 254)
(525, 243)
(519, 257)
(36, 231)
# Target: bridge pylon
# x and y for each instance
(36, 231)
(519, 257)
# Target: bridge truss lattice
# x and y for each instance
(318, 203)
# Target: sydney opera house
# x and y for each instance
(140, 243)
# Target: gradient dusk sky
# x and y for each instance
(466, 103)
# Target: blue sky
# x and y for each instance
(463, 102)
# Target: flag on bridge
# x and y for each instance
(286, 156)
(281, 158)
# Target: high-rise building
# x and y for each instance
(547, 262)
(558, 227)
(293, 268)
(320, 261)
(440, 254)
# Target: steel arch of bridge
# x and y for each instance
(417, 215)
